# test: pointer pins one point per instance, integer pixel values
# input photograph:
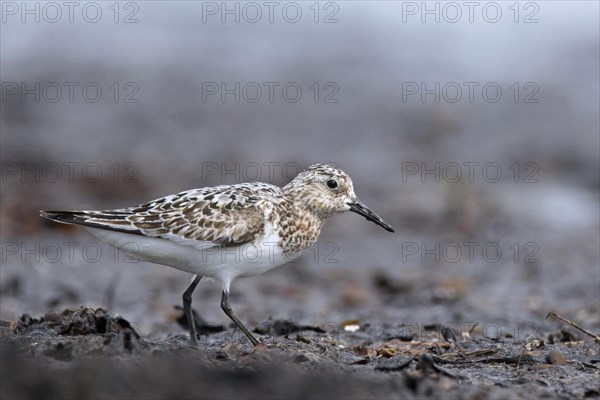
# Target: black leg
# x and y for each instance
(187, 307)
(225, 306)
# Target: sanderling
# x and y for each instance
(197, 230)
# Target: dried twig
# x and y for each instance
(573, 324)
(520, 358)
(452, 357)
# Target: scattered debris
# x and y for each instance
(451, 334)
(61, 341)
(351, 325)
(556, 358)
(574, 325)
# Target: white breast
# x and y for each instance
(223, 264)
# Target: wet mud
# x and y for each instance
(89, 353)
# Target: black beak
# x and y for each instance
(361, 209)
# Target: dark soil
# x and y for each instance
(89, 353)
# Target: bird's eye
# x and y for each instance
(332, 184)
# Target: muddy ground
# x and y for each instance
(360, 327)
(89, 353)
(452, 305)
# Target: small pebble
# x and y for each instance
(451, 334)
(556, 358)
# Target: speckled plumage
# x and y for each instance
(193, 230)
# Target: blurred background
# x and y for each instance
(473, 130)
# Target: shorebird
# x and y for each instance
(229, 231)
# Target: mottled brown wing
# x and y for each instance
(222, 216)
(224, 221)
